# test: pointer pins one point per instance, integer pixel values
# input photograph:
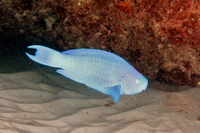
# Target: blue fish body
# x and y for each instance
(100, 70)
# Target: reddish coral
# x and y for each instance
(177, 21)
(125, 6)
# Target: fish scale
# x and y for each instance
(100, 70)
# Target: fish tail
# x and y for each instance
(45, 56)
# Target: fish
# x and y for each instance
(98, 69)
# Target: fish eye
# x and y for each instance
(137, 81)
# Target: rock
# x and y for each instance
(160, 38)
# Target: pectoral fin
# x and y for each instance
(114, 92)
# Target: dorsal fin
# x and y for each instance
(82, 50)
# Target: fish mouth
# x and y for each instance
(145, 84)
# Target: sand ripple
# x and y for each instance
(41, 102)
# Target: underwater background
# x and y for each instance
(159, 38)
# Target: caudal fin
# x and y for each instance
(43, 55)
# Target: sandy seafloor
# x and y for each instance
(34, 99)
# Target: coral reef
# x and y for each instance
(176, 21)
(159, 37)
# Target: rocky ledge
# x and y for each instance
(159, 37)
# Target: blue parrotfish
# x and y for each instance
(98, 69)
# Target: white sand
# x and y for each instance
(40, 101)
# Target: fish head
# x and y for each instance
(134, 83)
